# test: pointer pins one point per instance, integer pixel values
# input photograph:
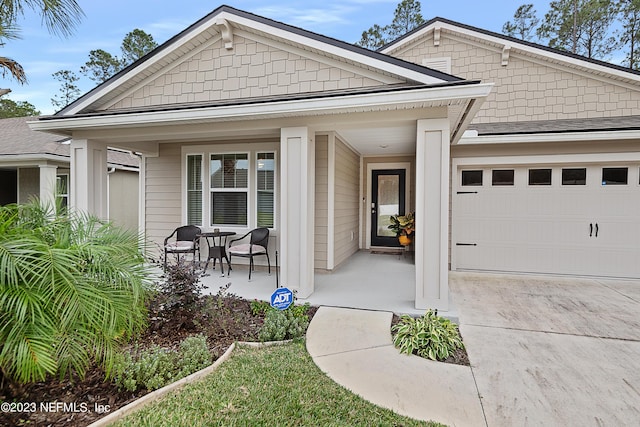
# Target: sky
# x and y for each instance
(106, 22)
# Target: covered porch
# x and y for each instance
(367, 280)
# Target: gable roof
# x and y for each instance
(18, 140)
(222, 22)
(569, 59)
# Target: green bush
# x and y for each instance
(286, 324)
(72, 288)
(429, 336)
(156, 367)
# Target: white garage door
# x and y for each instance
(578, 219)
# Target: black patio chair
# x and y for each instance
(187, 240)
(257, 246)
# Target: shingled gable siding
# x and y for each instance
(526, 90)
(321, 202)
(347, 183)
(250, 69)
(163, 198)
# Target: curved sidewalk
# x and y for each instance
(354, 348)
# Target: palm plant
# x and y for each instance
(72, 288)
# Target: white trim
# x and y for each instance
(368, 197)
(402, 99)
(545, 159)
(142, 198)
(241, 147)
(470, 138)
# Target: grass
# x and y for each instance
(278, 385)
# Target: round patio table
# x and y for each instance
(217, 249)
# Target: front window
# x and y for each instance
(239, 188)
(229, 188)
(265, 171)
(62, 190)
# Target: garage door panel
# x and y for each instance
(550, 228)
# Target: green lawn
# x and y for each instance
(271, 386)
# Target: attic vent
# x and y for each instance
(439, 64)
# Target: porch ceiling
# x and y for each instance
(382, 141)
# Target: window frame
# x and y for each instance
(63, 196)
(252, 149)
(223, 189)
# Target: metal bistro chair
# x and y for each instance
(257, 246)
(187, 241)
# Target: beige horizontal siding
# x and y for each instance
(321, 202)
(347, 193)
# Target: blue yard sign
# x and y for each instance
(282, 298)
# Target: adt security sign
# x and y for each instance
(281, 298)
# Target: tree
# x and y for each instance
(10, 108)
(102, 64)
(60, 17)
(407, 16)
(69, 90)
(135, 45)
(580, 26)
(629, 35)
(524, 23)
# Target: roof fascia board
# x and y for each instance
(31, 160)
(573, 62)
(194, 31)
(167, 69)
(620, 135)
(289, 108)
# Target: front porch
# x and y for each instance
(367, 280)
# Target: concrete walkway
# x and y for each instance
(545, 351)
(354, 348)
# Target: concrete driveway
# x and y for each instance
(552, 351)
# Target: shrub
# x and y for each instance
(156, 367)
(180, 293)
(429, 336)
(72, 288)
(286, 324)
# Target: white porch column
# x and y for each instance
(88, 191)
(297, 189)
(48, 184)
(432, 214)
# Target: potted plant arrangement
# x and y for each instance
(403, 225)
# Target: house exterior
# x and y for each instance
(37, 165)
(243, 122)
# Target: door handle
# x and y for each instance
(590, 229)
(596, 229)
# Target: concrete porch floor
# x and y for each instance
(370, 281)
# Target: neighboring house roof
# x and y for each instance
(558, 126)
(17, 139)
(569, 59)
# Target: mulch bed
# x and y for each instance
(224, 320)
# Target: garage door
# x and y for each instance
(578, 219)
